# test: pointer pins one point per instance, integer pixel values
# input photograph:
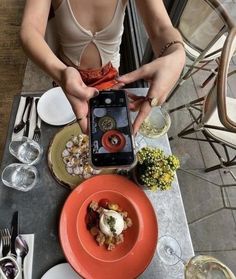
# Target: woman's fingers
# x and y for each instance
(80, 109)
(83, 123)
(132, 76)
(134, 97)
(141, 116)
(119, 85)
(89, 92)
(135, 105)
(135, 101)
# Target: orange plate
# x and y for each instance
(127, 260)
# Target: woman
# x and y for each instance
(90, 35)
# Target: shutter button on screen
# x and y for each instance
(108, 101)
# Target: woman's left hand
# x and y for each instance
(162, 74)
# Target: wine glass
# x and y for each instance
(198, 266)
(156, 124)
(207, 267)
(169, 250)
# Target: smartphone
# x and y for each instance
(110, 131)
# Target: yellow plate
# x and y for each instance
(55, 161)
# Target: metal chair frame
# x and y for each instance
(200, 62)
(202, 109)
(194, 109)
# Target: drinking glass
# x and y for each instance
(200, 266)
(26, 150)
(20, 176)
(156, 124)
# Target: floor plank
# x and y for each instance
(12, 60)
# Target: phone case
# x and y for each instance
(110, 131)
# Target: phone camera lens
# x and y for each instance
(108, 101)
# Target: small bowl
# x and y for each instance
(3, 268)
(156, 124)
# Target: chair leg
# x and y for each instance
(216, 167)
(231, 173)
(186, 132)
(194, 102)
(211, 76)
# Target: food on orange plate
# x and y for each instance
(107, 223)
(76, 157)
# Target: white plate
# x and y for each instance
(54, 108)
(61, 271)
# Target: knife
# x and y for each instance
(14, 231)
(26, 132)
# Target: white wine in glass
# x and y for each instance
(198, 267)
(207, 267)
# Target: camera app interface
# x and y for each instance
(110, 129)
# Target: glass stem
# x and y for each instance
(170, 251)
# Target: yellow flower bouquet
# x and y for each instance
(154, 169)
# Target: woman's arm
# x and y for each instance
(163, 72)
(158, 24)
(32, 33)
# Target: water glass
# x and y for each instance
(26, 150)
(20, 176)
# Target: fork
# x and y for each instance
(6, 241)
(37, 132)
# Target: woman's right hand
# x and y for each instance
(78, 95)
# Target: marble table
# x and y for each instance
(40, 208)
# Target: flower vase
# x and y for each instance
(136, 177)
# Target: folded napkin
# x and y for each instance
(33, 114)
(28, 263)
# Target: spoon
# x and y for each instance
(22, 250)
(21, 124)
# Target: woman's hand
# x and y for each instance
(78, 95)
(162, 74)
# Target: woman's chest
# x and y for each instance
(92, 15)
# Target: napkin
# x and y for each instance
(28, 262)
(33, 114)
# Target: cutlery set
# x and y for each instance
(37, 131)
(21, 124)
(12, 248)
(24, 122)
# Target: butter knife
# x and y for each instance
(27, 124)
(14, 231)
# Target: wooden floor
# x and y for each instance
(12, 60)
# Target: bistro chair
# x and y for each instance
(204, 25)
(213, 117)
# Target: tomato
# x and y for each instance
(104, 203)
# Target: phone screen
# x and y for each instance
(110, 130)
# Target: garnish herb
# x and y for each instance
(111, 222)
